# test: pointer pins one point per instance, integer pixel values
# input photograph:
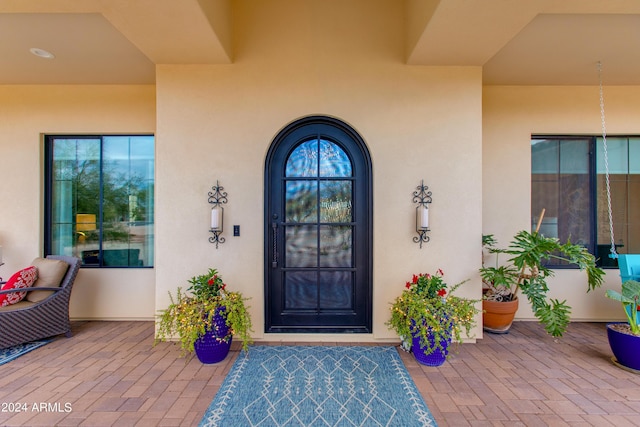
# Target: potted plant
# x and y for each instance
(428, 317)
(206, 320)
(499, 301)
(526, 272)
(624, 337)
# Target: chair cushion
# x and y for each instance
(20, 280)
(17, 306)
(50, 275)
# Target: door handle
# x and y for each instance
(274, 227)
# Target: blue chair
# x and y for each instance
(629, 265)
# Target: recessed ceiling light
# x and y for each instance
(41, 53)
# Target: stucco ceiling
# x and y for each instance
(524, 42)
(109, 41)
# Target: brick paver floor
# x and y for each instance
(110, 374)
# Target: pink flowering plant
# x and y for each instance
(191, 314)
(427, 307)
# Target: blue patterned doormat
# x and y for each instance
(318, 386)
(11, 353)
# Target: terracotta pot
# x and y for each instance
(498, 315)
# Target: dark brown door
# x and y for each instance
(318, 229)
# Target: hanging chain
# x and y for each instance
(606, 161)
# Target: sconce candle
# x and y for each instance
(422, 218)
(216, 218)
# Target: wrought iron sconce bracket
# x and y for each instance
(217, 197)
(422, 197)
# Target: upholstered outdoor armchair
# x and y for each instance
(44, 312)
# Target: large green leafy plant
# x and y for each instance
(426, 308)
(190, 315)
(526, 272)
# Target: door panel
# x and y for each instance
(318, 229)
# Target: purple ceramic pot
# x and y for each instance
(436, 358)
(625, 347)
(214, 346)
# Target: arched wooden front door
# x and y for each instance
(318, 229)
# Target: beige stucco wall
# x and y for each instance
(217, 122)
(510, 116)
(28, 112)
(470, 144)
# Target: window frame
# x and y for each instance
(48, 178)
(594, 244)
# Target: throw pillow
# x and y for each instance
(20, 280)
(50, 275)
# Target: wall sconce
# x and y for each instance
(217, 197)
(422, 196)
